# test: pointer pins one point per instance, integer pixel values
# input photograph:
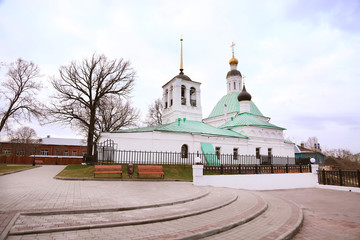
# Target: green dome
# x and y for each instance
(233, 105)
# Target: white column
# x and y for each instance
(314, 171)
(197, 174)
(198, 98)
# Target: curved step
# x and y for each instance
(30, 223)
(282, 220)
(246, 207)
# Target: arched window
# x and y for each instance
(166, 98)
(183, 97)
(171, 96)
(193, 97)
(184, 151)
(234, 85)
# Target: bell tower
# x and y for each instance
(233, 77)
(181, 97)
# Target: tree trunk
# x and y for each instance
(90, 139)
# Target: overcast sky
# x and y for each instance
(301, 58)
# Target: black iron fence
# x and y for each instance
(350, 178)
(256, 169)
(108, 155)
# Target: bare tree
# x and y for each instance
(18, 93)
(25, 141)
(83, 86)
(311, 143)
(154, 116)
(339, 153)
(113, 114)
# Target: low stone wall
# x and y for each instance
(257, 181)
(47, 160)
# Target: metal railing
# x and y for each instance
(105, 155)
(256, 169)
(349, 178)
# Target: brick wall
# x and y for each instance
(49, 160)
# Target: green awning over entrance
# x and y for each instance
(209, 154)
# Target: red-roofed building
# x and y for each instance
(50, 150)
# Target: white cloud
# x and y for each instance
(300, 58)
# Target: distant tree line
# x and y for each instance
(312, 143)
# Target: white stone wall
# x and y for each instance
(257, 181)
(172, 142)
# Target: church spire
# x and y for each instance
(181, 57)
(233, 77)
(233, 60)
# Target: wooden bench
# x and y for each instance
(39, 162)
(108, 169)
(150, 170)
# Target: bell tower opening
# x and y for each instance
(181, 97)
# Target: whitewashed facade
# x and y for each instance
(231, 126)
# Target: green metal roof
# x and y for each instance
(143, 129)
(188, 126)
(233, 105)
(248, 119)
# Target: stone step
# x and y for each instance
(222, 214)
(244, 207)
(282, 220)
(56, 221)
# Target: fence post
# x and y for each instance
(340, 177)
(300, 168)
(240, 169)
(272, 169)
(323, 175)
(256, 169)
(198, 173)
(221, 169)
(287, 168)
(358, 175)
(310, 168)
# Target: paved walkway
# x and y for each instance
(328, 214)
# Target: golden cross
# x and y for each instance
(232, 46)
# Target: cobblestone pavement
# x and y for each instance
(328, 214)
(36, 190)
(38, 222)
(243, 208)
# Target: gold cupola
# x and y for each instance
(233, 60)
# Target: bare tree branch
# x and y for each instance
(24, 141)
(114, 114)
(18, 93)
(311, 143)
(154, 116)
(82, 88)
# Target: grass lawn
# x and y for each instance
(172, 172)
(10, 169)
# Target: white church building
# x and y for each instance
(235, 126)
